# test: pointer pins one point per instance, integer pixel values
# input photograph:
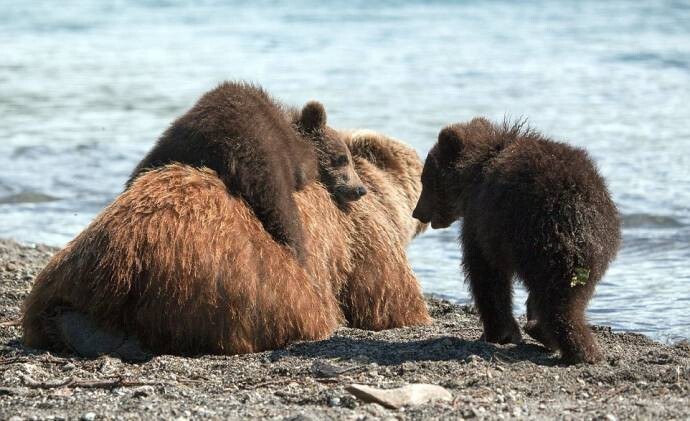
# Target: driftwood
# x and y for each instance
(88, 384)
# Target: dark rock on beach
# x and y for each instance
(639, 378)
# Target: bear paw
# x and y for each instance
(590, 355)
(509, 334)
(537, 331)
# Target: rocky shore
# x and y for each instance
(312, 380)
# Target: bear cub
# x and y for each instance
(534, 208)
(263, 151)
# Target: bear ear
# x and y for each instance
(449, 141)
(312, 117)
(482, 122)
(376, 151)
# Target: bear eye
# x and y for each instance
(340, 161)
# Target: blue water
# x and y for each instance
(86, 87)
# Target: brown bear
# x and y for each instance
(185, 268)
(262, 150)
(534, 208)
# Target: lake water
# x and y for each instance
(86, 87)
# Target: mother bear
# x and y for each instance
(185, 268)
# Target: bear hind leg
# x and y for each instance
(564, 317)
(535, 326)
(65, 329)
(384, 294)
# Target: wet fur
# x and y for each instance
(185, 268)
(532, 208)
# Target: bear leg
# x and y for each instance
(268, 192)
(493, 295)
(565, 317)
(384, 294)
(82, 336)
(535, 326)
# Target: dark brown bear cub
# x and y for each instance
(534, 208)
(262, 151)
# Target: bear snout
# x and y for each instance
(350, 193)
(421, 215)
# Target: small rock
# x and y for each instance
(412, 394)
(143, 391)
(325, 369)
(16, 418)
(610, 417)
(89, 416)
(334, 401)
(473, 359)
(408, 366)
(62, 392)
(469, 413)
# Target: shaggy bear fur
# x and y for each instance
(249, 140)
(534, 208)
(185, 268)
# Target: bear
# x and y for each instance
(531, 207)
(262, 150)
(176, 265)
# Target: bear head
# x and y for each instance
(336, 168)
(453, 164)
(393, 171)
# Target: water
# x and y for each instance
(86, 88)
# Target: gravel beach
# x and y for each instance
(640, 378)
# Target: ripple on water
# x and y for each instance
(27, 197)
(644, 220)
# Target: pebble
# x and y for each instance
(68, 367)
(408, 366)
(89, 416)
(143, 391)
(473, 359)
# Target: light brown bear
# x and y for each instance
(184, 268)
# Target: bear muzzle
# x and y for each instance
(350, 194)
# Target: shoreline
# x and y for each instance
(308, 380)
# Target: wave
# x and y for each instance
(27, 197)
(654, 59)
(646, 220)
